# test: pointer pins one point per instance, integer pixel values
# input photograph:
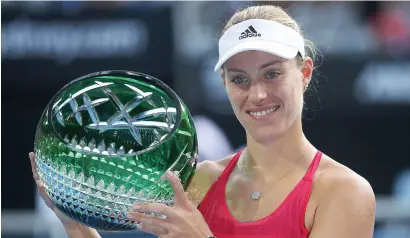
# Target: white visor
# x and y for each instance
(261, 35)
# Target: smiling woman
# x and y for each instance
(280, 185)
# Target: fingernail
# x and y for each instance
(136, 207)
(139, 226)
(130, 215)
(168, 174)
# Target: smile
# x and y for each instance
(264, 112)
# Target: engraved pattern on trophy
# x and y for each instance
(134, 125)
(107, 143)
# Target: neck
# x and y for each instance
(270, 159)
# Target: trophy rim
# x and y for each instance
(148, 78)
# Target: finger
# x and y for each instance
(44, 195)
(158, 231)
(31, 155)
(153, 208)
(36, 176)
(179, 193)
(148, 220)
(41, 189)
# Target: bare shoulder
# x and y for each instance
(346, 202)
(206, 173)
(333, 176)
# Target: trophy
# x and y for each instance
(105, 141)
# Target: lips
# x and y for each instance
(260, 113)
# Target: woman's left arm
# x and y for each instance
(347, 210)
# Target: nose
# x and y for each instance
(258, 92)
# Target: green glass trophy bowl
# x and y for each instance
(105, 141)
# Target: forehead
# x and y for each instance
(252, 59)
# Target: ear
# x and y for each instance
(307, 71)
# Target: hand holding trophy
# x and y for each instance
(105, 142)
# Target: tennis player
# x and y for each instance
(279, 185)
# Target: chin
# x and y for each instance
(266, 135)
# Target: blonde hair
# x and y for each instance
(272, 13)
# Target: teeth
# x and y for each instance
(264, 112)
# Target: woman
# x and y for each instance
(280, 185)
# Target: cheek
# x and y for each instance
(236, 97)
(291, 95)
(295, 99)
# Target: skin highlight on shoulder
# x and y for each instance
(332, 174)
(206, 173)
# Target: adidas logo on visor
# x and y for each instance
(250, 32)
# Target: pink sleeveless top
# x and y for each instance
(287, 221)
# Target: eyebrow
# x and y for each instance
(262, 67)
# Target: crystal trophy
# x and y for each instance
(105, 141)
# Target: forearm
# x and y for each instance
(79, 231)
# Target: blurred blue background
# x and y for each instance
(359, 113)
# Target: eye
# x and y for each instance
(239, 80)
(272, 75)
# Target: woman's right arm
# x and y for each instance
(72, 228)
